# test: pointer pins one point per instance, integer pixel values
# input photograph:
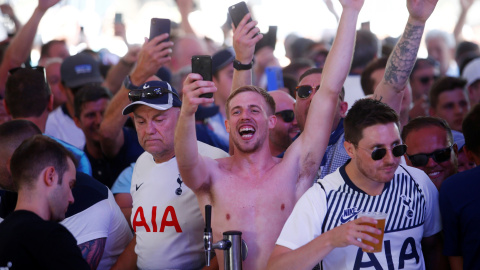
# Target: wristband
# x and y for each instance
(239, 66)
(128, 84)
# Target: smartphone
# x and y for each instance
(274, 78)
(158, 27)
(118, 18)
(237, 12)
(202, 64)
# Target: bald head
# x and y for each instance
(286, 128)
(12, 134)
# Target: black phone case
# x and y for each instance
(158, 27)
(237, 12)
(202, 64)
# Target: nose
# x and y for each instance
(150, 127)
(70, 197)
(431, 163)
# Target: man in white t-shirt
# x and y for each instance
(166, 218)
(324, 225)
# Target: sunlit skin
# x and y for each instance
(156, 130)
(427, 140)
(452, 106)
(249, 112)
(61, 197)
(367, 174)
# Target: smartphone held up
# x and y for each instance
(202, 64)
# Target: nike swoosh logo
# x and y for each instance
(347, 218)
(138, 186)
(145, 86)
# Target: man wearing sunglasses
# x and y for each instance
(431, 148)
(325, 218)
(459, 203)
(281, 136)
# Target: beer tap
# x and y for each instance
(234, 248)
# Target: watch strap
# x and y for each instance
(239, 66)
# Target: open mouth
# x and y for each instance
(246, 132)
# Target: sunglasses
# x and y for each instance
(439, 156)
(426, 79)
(380, 153)
(39, 69)
(286, 115)
(149, 93)
(304, 91)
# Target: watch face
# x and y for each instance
(239, 66)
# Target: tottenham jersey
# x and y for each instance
(410, 199)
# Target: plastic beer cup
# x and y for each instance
(380, 217)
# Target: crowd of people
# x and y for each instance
(111, 166)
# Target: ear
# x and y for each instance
(49, 176)
(50, 103)
(6, 107)
(343, 108)
(350, 148)
(77, 122)
(227, 125)
(272, 121)
(455, 149)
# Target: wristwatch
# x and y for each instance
(239, 66)
(128, 84)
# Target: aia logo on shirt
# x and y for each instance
(169, 219)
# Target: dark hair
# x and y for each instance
(34, 155)
(296, 65)
(27, 93)
(87, 94)
(364, 113)
(310, 72)
(45, 50)
(366, 49)
(14, 132)
(290, 83)
(319, 71)
(471, 130)
(366, 78)
(445, 84)
(251, 88)
(421, 63)
(426, 121)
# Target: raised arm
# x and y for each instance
(244, 40)
(337, 66)
(117, 72)
(191, 165)
(402, 59)
(21, 45)
(465, 6)
(153, 55)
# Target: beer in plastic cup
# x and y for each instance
(380, 217)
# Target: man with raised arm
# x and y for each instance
(252, 191)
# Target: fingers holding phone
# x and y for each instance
(193, 88)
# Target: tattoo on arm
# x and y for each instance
(92, 251)
(404, 56)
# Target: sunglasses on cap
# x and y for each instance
(380, 153)
(438, 156)
(149, 93)
(286, 115)
(304, 91)
(426, 79)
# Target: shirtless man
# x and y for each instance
(251, 191)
